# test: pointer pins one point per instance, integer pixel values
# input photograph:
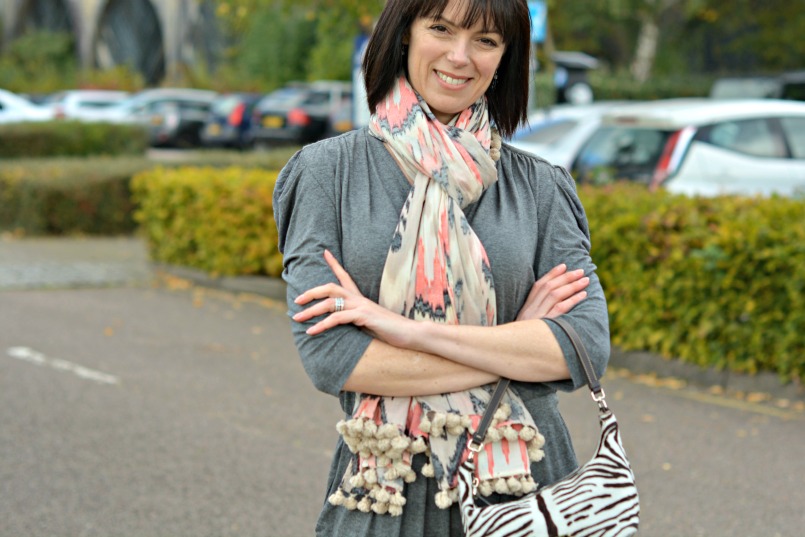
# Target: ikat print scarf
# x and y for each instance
(436, 270)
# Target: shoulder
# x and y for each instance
(320, 164)
(537, 173)
(551, 186)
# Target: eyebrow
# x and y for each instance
(442, 18)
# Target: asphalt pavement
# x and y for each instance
(144, 400)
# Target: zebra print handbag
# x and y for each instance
(600, 498)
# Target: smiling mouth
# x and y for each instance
(450, 80)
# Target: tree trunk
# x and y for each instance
(647, 43)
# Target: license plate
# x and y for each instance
(214, 129)
(272, 122)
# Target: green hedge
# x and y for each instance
(70, 138)
(217, 220)
(68, 196)
(713, 281)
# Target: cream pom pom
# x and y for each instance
(351, 503)
(428, 471)
(395, 510)
(382, 495)
(337, 498)
(355, 427)
(388, 430)
(527, 434)
(501, 487)
(341, 427)
(418, 446)
(511, 434)
(365, 505)
(380, 508)
(437, 424)
(425, 424)
(370, 476)
(515, 487)
(535, 454)
(485, 488)
(357, 481)
(370, 428)
(528, 485)
(397, 499)
(443, 500)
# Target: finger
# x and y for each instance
(322, 308)
(331, 321)
(322, 291)
(545, 287)
(566, 305)
(343, 276)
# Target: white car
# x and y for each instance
(557, 133)
(701, 147)
(83, 105)
(17, 109)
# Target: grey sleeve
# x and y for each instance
(306, 210)
(565, 238)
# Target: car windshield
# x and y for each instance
(283, 98)
(225, 106)
(622, 153)
(548, 132)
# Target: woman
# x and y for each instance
(421, 257)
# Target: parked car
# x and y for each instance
(17, 109)
(298, 113)
(701, 147)
(229, 120)
(789, 85)
(557, 133)
(173, 116)
(82, 105)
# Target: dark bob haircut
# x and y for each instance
(508, 101)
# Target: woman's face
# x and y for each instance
(449, 66)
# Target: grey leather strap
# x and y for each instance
(581, 353)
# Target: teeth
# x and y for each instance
(450, 80)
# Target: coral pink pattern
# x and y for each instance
(436, 271)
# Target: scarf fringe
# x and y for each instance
(393, 450)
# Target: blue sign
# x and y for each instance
(539, 20)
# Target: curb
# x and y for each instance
(640, 363)
(646, 363)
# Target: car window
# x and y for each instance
(754, 137)
(631, 153)
(549, 132)
(281, 98)
(794, 91)
(794, 129)
(318, 97)
(225, 105)
(193, 106)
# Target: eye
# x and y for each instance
(441, 28)
(489, 42)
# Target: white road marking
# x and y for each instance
(37, 358)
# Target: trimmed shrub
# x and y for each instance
(217, 220)
(70, 138)
(64, 196)
(713, 281)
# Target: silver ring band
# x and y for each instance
(339, 304)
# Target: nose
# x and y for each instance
(459, 52)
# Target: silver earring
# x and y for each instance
(494, 83)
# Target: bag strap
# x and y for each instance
(477, 440)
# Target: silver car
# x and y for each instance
(17, 109)
(701, 147)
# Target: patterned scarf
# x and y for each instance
(436, 270)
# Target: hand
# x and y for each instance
(555, 294)
(383, 324)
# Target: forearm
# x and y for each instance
(525, 350)
(392, 371)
